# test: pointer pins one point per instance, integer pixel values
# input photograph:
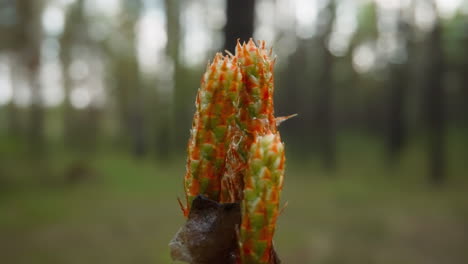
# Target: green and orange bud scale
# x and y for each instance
(263, 182)
(255, 113)
(235, 153)
(216, 108)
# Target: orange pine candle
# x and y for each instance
(235, 157)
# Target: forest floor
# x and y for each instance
(109, 208)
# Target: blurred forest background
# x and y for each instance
(97, 96)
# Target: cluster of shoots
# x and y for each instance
(235, 153)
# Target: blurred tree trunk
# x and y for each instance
(137, 117)
(325, 107)
(9, 31)
(173, 30)
(171, 114)
(14, 126)
(399, 84)
(240, 22)
(127, 82)
(434, 109)
(138, 126)
(464, 81)
(73, 33)
(36, 121)
(163, 133)
(92, 117)
(80, 127)
(464, 99)
(364, 105)
(293, 100)
(29, 13)
(68, 112)
(396, 120)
